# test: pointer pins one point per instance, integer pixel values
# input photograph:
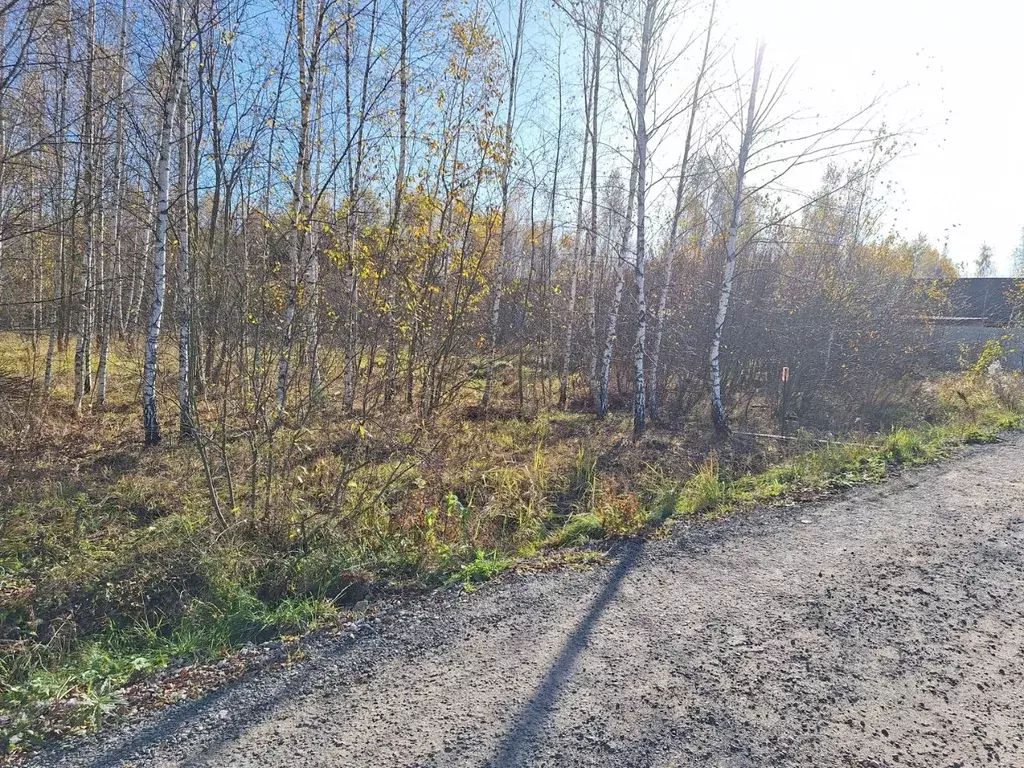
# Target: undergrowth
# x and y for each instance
(112, 566)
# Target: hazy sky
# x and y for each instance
(954, 70)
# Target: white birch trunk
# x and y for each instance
(186, 429)
(57, 291)
(103, 293)
(654, 386)
(304, 275)
(592, 273)
(150, 419)
(117, 308)
(718, 414)
(82, 347)
(138, 285)
(639, 388)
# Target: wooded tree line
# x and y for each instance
(401, 206)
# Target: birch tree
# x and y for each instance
(595, 93)
(85, 276)
(172, 90)
(185, 294)
(672, 247)
(642, 138)
(395, 188)
(732, 238)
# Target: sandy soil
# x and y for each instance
(883, 629)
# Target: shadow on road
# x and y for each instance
(514, 749)
(277, 687)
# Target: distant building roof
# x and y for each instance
(978, 300)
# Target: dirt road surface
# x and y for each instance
(882, 629)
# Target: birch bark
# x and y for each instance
(150, 420)
(639, 389)
(654, 382)
(718, 414)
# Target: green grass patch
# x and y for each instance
(704, 493)
(91, 674)
(483, 567)
(829, 469)
(579, 529)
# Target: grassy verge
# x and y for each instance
(111, 567)
(823, 471)
(811, 474)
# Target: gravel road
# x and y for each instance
(882, 629)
